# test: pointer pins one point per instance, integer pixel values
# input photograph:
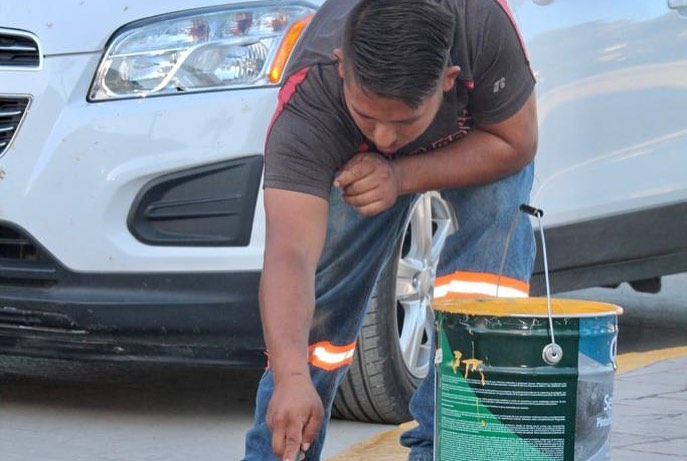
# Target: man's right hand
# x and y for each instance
(370, 183)
(294, 416)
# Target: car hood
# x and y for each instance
(80, 26)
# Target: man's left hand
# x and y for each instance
(370, 183)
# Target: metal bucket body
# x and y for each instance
(496, 398)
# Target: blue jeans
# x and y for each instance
(356, 250)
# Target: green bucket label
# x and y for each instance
(486, 410)
(496, 399)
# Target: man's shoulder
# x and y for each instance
(312, 97)
(475, 10)
(318, 81)
(323, 35)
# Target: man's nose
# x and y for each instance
(384, 136)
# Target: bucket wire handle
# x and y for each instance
(552, 353)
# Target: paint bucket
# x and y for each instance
(497, 398)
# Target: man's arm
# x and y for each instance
(296, 229)
(485, 154)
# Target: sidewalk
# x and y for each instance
(649, 413)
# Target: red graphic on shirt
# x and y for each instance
(464, 127)
(364, 147)
(286, 92)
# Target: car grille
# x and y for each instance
(11, 113)
(19, 50)
(22, 262)
(13, 245)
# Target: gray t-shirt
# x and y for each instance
(312, 134)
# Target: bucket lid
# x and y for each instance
(526, 307)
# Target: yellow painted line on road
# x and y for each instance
(385, 447)
(633, 360)
(381, 447)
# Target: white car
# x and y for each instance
(131, 141)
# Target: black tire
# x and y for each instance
(378, 387)
(380, 382)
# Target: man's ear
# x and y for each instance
(450, 76)
(339, 57)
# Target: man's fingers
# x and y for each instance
(287, 440)
(356, 168)
(361, 186)
(311, 430)
(294, 439)
(350, 175)
(372, 209)
(286, 434)
(363, 199)
(278, 440)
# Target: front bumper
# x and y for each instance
(199, 318)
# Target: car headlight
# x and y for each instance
(200, 50)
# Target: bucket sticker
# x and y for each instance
(497, 400)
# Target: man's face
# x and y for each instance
(389, 123)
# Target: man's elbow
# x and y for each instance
(523, 150)
(526, 131)
(529, 148)
(526, 137)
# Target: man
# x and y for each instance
(386, 99)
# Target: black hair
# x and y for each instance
(398, 48)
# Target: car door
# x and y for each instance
(612, 100)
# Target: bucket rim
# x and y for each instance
(527, 307)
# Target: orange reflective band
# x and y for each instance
(479, 284)
(329, 357)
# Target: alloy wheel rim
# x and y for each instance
(429, 224)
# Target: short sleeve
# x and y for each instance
(310, 138)
(502, 76)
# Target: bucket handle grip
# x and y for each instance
(552, 352)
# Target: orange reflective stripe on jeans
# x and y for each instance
(329, 357)
(479, 284)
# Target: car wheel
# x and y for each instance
(393, 350)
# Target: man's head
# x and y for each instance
(395, 66)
